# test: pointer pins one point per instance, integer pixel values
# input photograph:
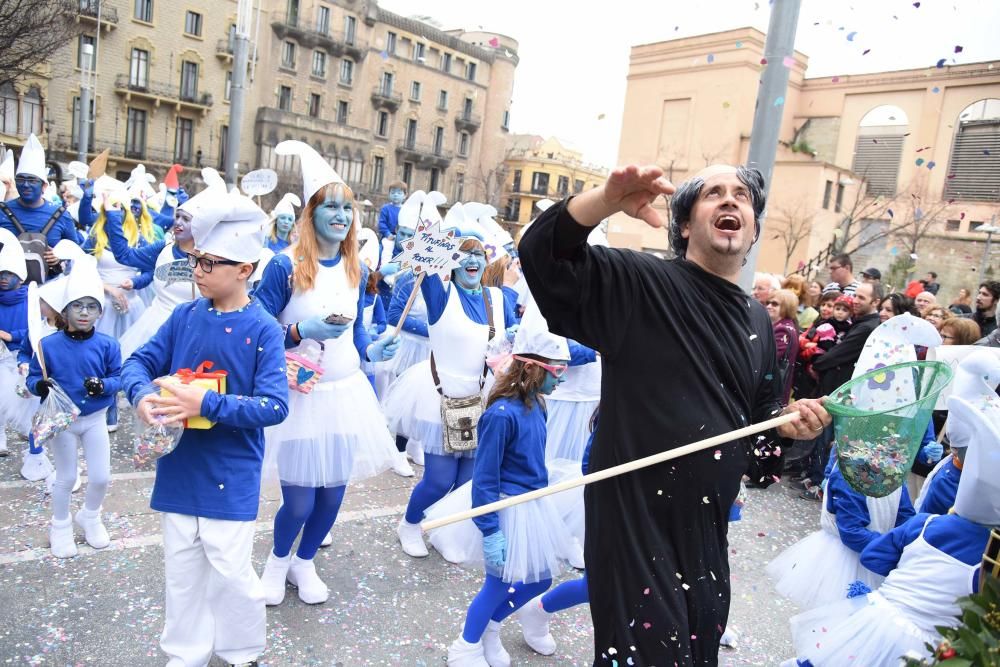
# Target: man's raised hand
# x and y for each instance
(633, 190)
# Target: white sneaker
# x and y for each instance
(729, 638)
(3, 440)
(273, 578)
(93, 529)
(576, 560)
(61, 538)
(327, 541)
(401, 467)
(463, 654)
(535, 627)
(415, 453)
(302, 574)
(36, 467)
(112, 428)
(411, 537)
(494, 652)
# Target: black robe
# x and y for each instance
(686, 355)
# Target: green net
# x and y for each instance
(879, 420)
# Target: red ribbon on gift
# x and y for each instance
(186, 375)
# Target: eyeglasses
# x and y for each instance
(772, 302)
(557, 370)
(207, 264)
(834, 267)
(947, 337)
(27, 180)
(79, 308)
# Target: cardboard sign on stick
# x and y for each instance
(259, 183)
(99, 165)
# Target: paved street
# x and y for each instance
(106, 608)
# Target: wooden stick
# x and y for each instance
(612, 472)
(409, 303)
(41, 361)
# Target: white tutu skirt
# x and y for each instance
(115, 324)
(817, 570)
(14, 410)
(413, 409)
(538, 542)
(567, 428)
(144, 327)
(866, 630)
(413, 349)
(333, 436)
(147, 295)
(569, 503)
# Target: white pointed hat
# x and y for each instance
(140, 184)
(534, 337)
(978, 495)
(82, 280)
(12, 255)
(285, 206)
(368, 248)
(111, 188)
(32, 160)
(237, 233)
(429, 213)
(316, 171)
(976, 379)
(210, 203)
(409, 212)
(7, 166)
(73, 188)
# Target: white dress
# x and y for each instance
(413, 404)
(382, 372)
(571, 407)
(14, 410)
(337, 433)
(413, 348)
(900, 617)
(112, 322)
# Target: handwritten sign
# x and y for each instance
(432, 251)
(260, 182)
(953, 356)
(177, 271)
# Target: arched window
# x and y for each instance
(974, 167)
(879, 148)
(8, 109)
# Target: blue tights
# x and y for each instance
(309, 510)
(565, 595)
(441, 475)
(495, 602)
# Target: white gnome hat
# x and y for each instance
(978, 496)
(534, 337)
(32, 160)
(429, 213)
(368, 248)
(140, 184)
(7, 166)
(316, 171)
(892, 342)
(12, 255)
(479, 223)
(73, 188)
(236, 229)
(110, 188)
(83, 279)
(409, 212)
(284, 206)
(975, 381)
(210, 203)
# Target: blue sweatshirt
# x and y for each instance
(144, 276)
(851, 511)
(942, 489)
(34, 219)
(69, 358)
(436, 298)
(143, 256)
(510, 459)
(277, 245)
(215, 473)
(14, 315)
(388, 220)
(400, 295)
(275, 291)
(164, 218)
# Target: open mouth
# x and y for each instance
(472, 270)
(338, 226)
(728, 223)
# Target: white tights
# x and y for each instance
(92, 432)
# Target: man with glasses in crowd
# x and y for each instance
(842, 276)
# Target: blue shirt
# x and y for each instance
(851, 511)
(69, 360)
(14, 315)
(400, 295)
(510, 459)
(378, 312)
(34, 219)
(215, 473)
(942, 489)
(388, 220)
(436, 298)
(277, 245)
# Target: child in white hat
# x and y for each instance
(283, 217)
(14, 410)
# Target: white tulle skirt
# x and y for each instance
(147, 295)
(413, 409)
(413, 349)
(14, 410)
(538, 543)
(332, 436)
(866, 630)
(115, 324)
(817, 570)
(567, 428)
(569, 503)
(144, 327)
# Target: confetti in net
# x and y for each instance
(879, 420)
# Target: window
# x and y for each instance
(378, 170)
(467, 108)
(382, 123)
(323, 20)
(314, 104)
(577, 187)
(974, 225)
(390, 43)
(386, 84)
(539, 183)
(563, 186)
(350, 28)
(446, 63)
(415, 91)
(463, 144)
(953, 225)
(144, 10)
(879, 149)
(139, 69)
(285, 98)
(470, 71)
(8, 109)
(342, 112)
(80, 62)
(183, 139)
(31, 111)
(973, 166)
(419, 50)
(840, 198)
(435, 177)
(443, 100)
(76, 124)
(346, 71)
(407, 174)
(411, 132)
(292, 14)
(288, 55)
(516, 186)
(192, 23)
(827, 193)
(513, 208)
(189, 80)
(459, 187)
(319, 63)
(135, 134)
(228, 93)
(505, 123)
(223, 141)
(438, 140)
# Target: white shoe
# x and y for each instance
(412, 539)
(273, 578)
(93, 529)
(494, 652)
(36, 467)
(463, 654)
(327, 541)
(302, 575)
(729, 638)
(3, 440)
(112, 428)
(401, 467)
(576, 560)
(535, 627)
(416, 454)
(61, 538)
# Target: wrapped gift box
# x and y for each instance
(202, 376)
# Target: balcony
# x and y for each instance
(120, 152)
(162, 93)
(224, 49)
(423, 155)
(88, 12)
(269, 118)
(383, 96)
(468, 122)
(335, 43)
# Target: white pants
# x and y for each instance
(92, 433)
(215, 602)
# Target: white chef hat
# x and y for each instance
(140, 184)
(236, 234)
(409, 212)
(975, 380)
(32, 162)
(210, 203)
(429, 213)
(83, 279)
(12, 255)
(978, 496)
(534, 337)
(7, 165)
(316, 171)
(284, 206)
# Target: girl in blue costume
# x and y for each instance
(336, 433)
(460, 335)
(283, 216)
(14, 410)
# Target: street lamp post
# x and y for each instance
(83, 131)
(990, 230)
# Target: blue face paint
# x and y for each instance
(29, 188)
(396, 196)
(402, 236)
(82, 314)
(136, 208)
(469, 274)
(182, 225)
(284, 223)
(333, 218)
(9, 281)
(550, 383)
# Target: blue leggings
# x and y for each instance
(495, 602)
(309, 510)
(441, 475)
(567, 594)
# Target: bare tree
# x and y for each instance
(31, 31)
(791, 225)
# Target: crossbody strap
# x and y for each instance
(13, 218)
(488, 302)
(53, 220)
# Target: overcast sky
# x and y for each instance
(574, 59)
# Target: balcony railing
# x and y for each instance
(224, 47)
(317, 37)
(468, 122)
(88, 9)
(385, 96)
(121, 151)
(162, 92)
(424, 155)
(323, 128)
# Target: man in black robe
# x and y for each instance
(686, 355)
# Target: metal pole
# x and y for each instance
(990, 230)
(767, 117)
(241, 50)
(83, 119)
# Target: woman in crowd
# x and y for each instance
(895, 304)
(962, 303)
(781, 308)
(938, 315)
(960, 331)
(806, 312)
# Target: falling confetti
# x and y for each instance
(779, 101)
(866, 52)
(958, 49)
(763, 61)
(725, 105)
(494, 42)
(788, 62)
(917, 5)
(835, 79)
(931, 164)
(920, 161)
(739, 45)
(850, 36)
(935, 89)
(889, 211)
(710, 58)
(940, 63)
